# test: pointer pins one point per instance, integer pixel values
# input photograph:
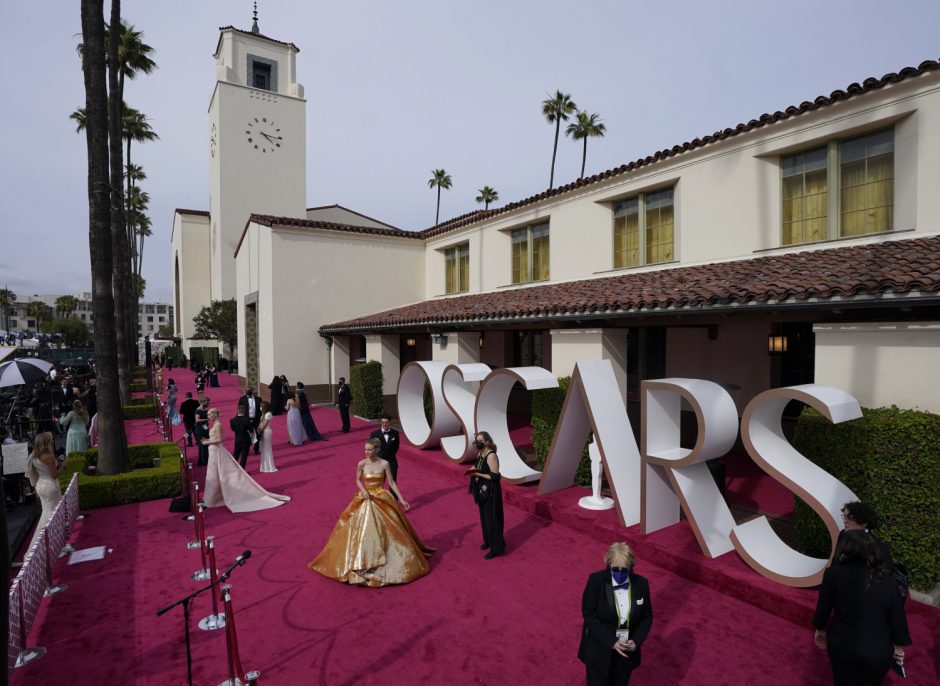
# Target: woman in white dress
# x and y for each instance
(266, 436)
(227, 483)
(295, 424)
(43, 472)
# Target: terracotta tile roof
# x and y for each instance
(851, 91)
(256, 35)
(198, 213)
(890, 267)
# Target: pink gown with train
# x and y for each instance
(230, 485)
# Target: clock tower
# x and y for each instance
(257, 143)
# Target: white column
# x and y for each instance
(339, 358)
(571, 345)
(460, 348)
(384, 348)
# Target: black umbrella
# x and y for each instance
(22, 371)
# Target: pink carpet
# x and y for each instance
(512, 620)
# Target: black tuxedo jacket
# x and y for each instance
(869, 620)
(241, 427)
(243, 402)
(389, 449)
(599, 609)
(343, 396)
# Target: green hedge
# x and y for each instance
(139, 411)
(546, 408)
(140, 386)
(145, 482)
(890, 458)
(140, 401)
(365, 384)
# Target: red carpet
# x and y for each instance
(512, 620)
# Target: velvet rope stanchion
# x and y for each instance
(235, 669)
(202, 573)
(215, 620)
(199, 521)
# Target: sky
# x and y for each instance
(397, 89)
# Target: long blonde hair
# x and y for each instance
(43, 444)
(80, 412)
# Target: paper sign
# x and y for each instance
(96, 553)
(15, 458)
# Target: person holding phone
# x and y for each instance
(488, 494)
(618, 615)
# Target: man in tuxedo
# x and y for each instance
(343, 398)
(241, 428)
(201, 431)
(252, 410)
(65, 395)
(188, 412)
(89, 397)
(618, 614)
(389, 439)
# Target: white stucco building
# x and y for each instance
(803, 245)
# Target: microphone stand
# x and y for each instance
(185, 602)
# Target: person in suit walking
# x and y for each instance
(389, 438)
(241, 427)
(618, 615)
(252, 406)
(343, 399)
(860, 618)
(201, 431)
(188, 412)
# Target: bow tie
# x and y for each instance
(625, 585)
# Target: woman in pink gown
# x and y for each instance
(227, 483)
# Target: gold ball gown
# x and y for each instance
(373, 543)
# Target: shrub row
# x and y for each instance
(365, 384)
(140, 386)
(144, 482)
(139, 411)
(140, 401)
(890, 458)
(546, 409)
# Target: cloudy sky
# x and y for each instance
(396, 89)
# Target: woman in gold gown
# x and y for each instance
(373, 543)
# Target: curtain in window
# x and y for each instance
(540, 253)
(868, 184)
(805, 192)
(659, 227)
(463, 268)
(520, 256)
(627, 234)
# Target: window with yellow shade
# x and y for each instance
(530, 253)
(644, 229)
(457, 260)
(861, 172)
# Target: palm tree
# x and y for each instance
(556, 110)
(584, 127)
(39, 311)
(441, 179)
(112, 452)
(136, 128)
(7, 298)
(487, 195)
(65, 305)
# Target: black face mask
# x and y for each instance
(479, 445)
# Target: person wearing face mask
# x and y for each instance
(617, 615)
(488, 495)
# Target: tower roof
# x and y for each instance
(252, 34)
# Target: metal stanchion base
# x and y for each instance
(29, 655)
(192, 545)
(253, 677)
(188, 518)
(212, 622)
(235, 682)
(54, 590)
(67, 549)
(201, 575)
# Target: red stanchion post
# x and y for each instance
(198, 521)
(235, 670)
(184, 475)
(215, 620)
(203, 573)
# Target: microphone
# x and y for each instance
(243, 558)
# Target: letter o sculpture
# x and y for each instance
(411, 404)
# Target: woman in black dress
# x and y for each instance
(488, 495)
(277, 397)
(860, 617)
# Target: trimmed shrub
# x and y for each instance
(144, 482)
(890, 458)
(140, 386)
(365, 384)
(139, 411)
(546, 408)
(140, 401)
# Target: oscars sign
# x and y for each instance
(651, 482)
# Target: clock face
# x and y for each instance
(263, 135)
(213, 141)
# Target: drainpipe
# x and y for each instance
(329, 366)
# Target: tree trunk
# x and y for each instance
(133, 297)
(118, 229)
(584, 158)
(551, 179)
(437, 214)
(112, 443)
